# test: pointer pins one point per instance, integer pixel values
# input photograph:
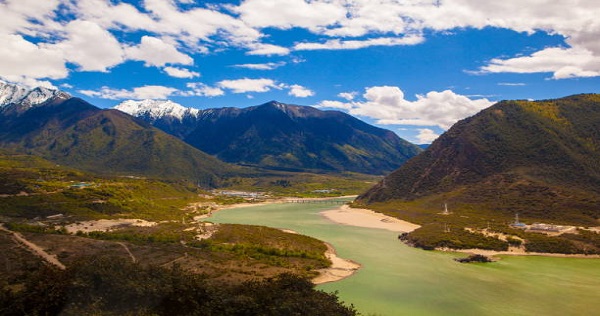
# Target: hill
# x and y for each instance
(535, 158)
(281, 136)
(73, 132)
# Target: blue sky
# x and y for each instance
(411, 66)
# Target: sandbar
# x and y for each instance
(359, 217)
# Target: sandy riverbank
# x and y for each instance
(347, 215)
(340, 268)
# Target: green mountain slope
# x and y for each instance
(75, 133)
(540, 159)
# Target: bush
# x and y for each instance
(112, 286)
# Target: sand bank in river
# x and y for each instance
(347, 215)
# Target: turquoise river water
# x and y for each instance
(399, 280)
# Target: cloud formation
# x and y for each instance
(138, 93)
(249, 85)
(388, 106)
(155, 52)
(300, 91)
(95, 35)
(266, 66)
(181, 72)
(426, 136)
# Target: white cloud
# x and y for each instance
(84, 32)
(334, 105)
(155, 52)
(249, 85)
(266, 49)
(512, 84)
(266, 66)
(22, 60)
(348, 95)
(199, 24)
(201, 89)
(90, 46)
(181, 72)
(388, 106)
(114, 15)
(426, 136)
(300, 91)
(138, 93)
(29, 17)
(562, 62)
(312, 15)
(358, 44)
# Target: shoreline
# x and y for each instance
(366, 218)
(340, 268)
(492, 253)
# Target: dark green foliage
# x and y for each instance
(435, 235)
(260, 242)
(584, 242)
(474, 258)
(110, 286)
(543, 243)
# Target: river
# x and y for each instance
(399, 280)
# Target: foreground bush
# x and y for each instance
(110, 286)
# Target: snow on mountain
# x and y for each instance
(15, 94)
(156, 109)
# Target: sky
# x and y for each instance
(415, 67)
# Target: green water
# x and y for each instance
(398, 280)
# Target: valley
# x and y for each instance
(85, 191)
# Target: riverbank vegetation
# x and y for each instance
(478, 225)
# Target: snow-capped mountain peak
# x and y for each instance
(156, 109)
(15, 94)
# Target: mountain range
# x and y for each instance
(166, 140)
(538, 158)
(69, 131)
(280, 136)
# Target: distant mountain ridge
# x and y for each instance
(282, 136)
(72, 132)
(539, 158)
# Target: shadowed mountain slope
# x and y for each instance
(291, 137)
